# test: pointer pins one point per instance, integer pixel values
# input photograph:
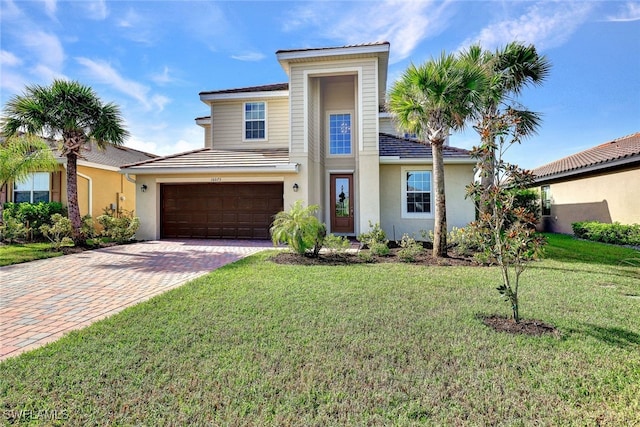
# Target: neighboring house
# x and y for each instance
(100, 183)
(323, 138)
(598, 184)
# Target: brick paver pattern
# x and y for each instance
(42, 300)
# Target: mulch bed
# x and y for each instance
(524, 327)
(351, 258)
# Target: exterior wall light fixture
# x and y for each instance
(295, 187)
(143, 187)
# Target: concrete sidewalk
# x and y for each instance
(42, 300)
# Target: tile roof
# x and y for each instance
(211, 159)
(403, 148)
(379, 43)
(610, 154)
(111, 156)
(263, 88)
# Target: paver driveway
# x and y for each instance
(42, 300)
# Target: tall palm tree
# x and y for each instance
(431, 100)
(72, 113)
(20, 156)
(508, 71)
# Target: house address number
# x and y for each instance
(216, 179)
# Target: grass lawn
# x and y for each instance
(24, 252)
(257, 343)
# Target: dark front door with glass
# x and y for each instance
(342, 203)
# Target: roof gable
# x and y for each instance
(620, 151)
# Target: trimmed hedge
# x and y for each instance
(33, 215)
(616, 233)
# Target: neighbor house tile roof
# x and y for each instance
(264, 88)
(109, 156)
(614, 153)
(403, 148)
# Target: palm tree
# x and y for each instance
(508, 70)
(72, 113)
(431, 100)
(19, 156)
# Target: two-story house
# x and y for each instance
(322, 137)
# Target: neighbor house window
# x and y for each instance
(33, 189)
(546, 200)
(417, 193)
(255, 120)
(340, 134)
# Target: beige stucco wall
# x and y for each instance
(608, 198)
(228, 124)
(460, 211)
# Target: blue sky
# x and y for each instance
(153, 57)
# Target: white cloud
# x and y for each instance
(630, 12)
(95, 9)
(249, 56)
(163, 78)
(50, 7)
(405, 24)
(46, 47)
(105, 73)
(47, 74)
(8, 59)
(545, 24)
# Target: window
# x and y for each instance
(417, 193)
(255, 120)
(340, 134)
(34, 189)
(546, 200)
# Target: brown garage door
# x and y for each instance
(219, 211)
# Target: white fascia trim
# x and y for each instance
(395, 160)
(98, 166)
(218, 179)
(204, 122)
(341, 51)
(292, 168)
(245, 95)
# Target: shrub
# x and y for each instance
(12, 229)
(299, 229)
(615, 233)
(336, 245)
(379, 249)
(366, 256)
(59, 232)
(410, 249)
(120, 228)
(88, 227)
(373, 236)
(34, 215)
(465, 241)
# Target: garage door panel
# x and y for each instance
(233, 211)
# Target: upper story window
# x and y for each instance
(546, 200)
(34, 189)
(255, 120)
(340, 134)
(416, 195)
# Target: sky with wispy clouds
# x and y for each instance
(153, 57)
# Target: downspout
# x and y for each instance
(126, 175)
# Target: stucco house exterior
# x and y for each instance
(598, 184)
(321, 137)
(100, 183)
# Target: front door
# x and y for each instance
(342, 203)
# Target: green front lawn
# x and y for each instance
(256, 343)
(16, 253)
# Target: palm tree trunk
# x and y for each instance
(72, 197)
(440, 226)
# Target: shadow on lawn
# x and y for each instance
(617, 337)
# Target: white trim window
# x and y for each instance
(255, 121)
(340, 140)
(33, 189)
(417, 200)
